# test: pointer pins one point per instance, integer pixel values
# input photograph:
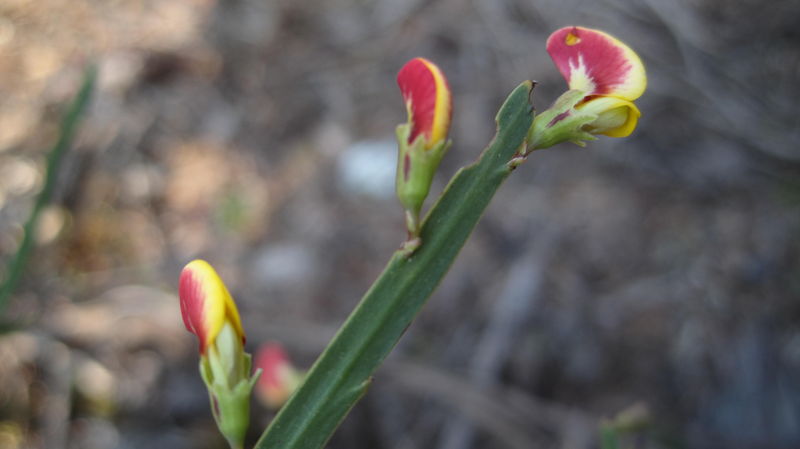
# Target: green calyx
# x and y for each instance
(562, 122)
(225, 370)
(416, 166)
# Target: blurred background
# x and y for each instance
(649, 282)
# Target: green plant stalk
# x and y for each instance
(343, 372)
(69, 126)
(608, 437)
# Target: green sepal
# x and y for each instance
(229, 397)
(560, 123)
(416, 166)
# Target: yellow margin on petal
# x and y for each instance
(636, 82)
(233, 314)
(441, 114)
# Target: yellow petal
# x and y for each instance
(616, 117)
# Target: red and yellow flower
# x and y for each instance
(279, 378)
(422, 140)
(610, 75)
(209, 312)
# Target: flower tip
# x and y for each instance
(206, 304)
(426, 93)
(597, 63)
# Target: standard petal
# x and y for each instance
(597, 63)
(428, 100)
(616, 117)
(206, 303)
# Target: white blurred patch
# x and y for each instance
(368, 168)
(94, 381)
(19, 176)
(284, 265)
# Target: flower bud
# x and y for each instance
(422, 141)
(209, 312)
(206, 304)
(279, 378)
(427, 96)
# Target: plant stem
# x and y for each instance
(69, 126)
(343, 372)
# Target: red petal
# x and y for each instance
(270, 358)
(191, 295)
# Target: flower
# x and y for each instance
(610, 75)
(206, 304)
(428, 101)
(209, 312)
(422, 141)
(279, 378)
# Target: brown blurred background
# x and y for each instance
(651, 279)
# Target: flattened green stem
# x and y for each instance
(69, 126)
(343, 372)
